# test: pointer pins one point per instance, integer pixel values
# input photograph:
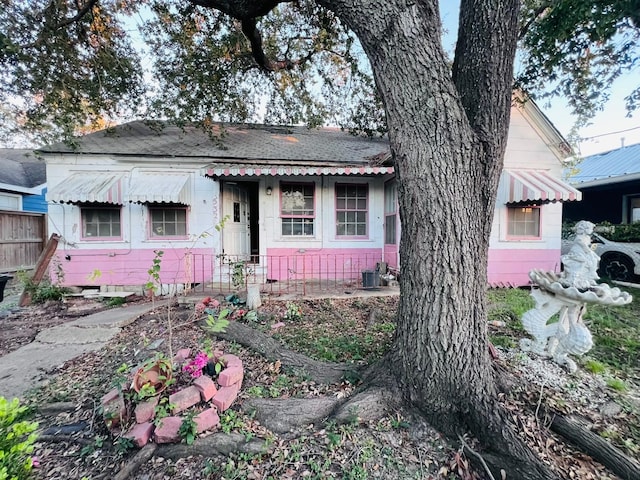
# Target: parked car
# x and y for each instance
(618, 260)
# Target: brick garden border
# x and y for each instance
(213, 396)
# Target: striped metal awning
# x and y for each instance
(88, 187)
(160, 188)
(535, 186)
(277, 170)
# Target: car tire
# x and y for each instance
(616, 267)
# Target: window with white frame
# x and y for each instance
(352, 208)
(390, 212)
(523, 222)
(168, 221)
(101, 222)
(297, 208)
(9, 201)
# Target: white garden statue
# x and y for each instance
(566, 295)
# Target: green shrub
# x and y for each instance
(16, 441)
(115, 302)
(627, 232)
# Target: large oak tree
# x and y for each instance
(67, 63)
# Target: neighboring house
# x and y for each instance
(610, 186)
(23, 208)
(22, 181)
(296, 203)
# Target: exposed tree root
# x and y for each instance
(503, 452)
(299, 411)
(136, 462)
(320, 372)
(216, 444)
(576, 432)
(64, 438)
(57, 407)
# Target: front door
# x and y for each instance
(236, 234)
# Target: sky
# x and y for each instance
(608, 130)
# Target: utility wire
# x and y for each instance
(611, 133)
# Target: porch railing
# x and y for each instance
(299, 274)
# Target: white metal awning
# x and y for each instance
(88, 187)
(160, 188)
(277, 170)
(536, 186)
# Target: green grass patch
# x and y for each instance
(616, 334)
(595, 366)
(616, 384)
(503, 341)
(507, 305)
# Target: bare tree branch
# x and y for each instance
(250, 30)
(539, 11)
(81, 13)
(241, 9)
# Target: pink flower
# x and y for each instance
(35, 462)
(215, 303)
(200, 307)
(195, 366)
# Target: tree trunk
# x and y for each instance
(448, 134)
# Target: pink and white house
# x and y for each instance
(295, 203)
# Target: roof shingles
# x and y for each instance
(235, 143)
(20, 167)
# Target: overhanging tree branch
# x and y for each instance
(534, 16)
(241, 9)
(250, 30)
(81, 13)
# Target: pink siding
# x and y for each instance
(512, 267)
(115, 267)
(327, 263)
(391, 256)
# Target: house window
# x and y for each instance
(634, 204)
(390, 213)
(297, 208)
(523, 222)
(10, 202)
(100, 222)
(351, 210)
(168, 222)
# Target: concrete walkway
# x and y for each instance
(30, 366)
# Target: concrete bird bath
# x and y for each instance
(567, 295)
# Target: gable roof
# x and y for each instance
(237, 143)
(21, 168)
(614, 166)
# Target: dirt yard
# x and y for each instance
(399, 446)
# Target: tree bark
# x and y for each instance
(448, 130)
(448, 133)
(571, 428)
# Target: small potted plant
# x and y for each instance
(153, 377)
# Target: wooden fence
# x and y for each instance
(22, 238)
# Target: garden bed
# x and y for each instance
(353, 330)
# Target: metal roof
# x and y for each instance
(518, 186)
(87, 187)
(232, 143)
(159, 188)
(614, 166)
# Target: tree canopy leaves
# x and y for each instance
(68, 65)
(577, 48)
(177, 61)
